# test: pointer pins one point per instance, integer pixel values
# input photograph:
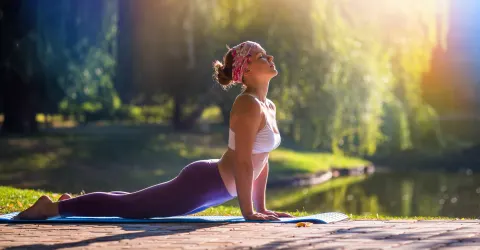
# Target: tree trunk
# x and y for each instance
(179, 102)
(19, 95)
(125, 41)
(18, 105)
(180, 120)
(225, 114)
(191, 119)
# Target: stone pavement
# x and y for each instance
(455, 234)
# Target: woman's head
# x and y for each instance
(247, 63)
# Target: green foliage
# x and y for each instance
(349, 72)
(344, 71)
(129, 112)
(84, 69)
(149, 114)
(346, 82)
(211, 114)
(89, 80)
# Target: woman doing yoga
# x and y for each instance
(241, 172)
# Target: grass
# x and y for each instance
(384, 217)
(14, 200)
(286, 162)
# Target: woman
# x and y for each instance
(242, 170)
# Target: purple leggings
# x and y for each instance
(197, 187)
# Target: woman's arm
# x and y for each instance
(259, 194)
(245, 121)
(259, 189)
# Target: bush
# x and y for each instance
(129, 113)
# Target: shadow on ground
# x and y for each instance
(141, 231)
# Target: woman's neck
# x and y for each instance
(260, 93)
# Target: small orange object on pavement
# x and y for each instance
(304, 224)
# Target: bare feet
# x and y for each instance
(64, 197)
(42, 209)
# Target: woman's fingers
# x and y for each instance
(273, 217)
(259, 216)
(270, 213)
(279, 214)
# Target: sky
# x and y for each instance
(465, 29)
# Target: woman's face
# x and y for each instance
(261, 64)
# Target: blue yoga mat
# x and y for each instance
(323, 218)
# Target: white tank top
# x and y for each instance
(265, 141)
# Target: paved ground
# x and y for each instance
(344, 235)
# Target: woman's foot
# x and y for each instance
(64, 197)
(43, 208)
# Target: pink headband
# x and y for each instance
(241, 58)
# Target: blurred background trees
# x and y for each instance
(351, 75)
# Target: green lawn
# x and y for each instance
(14, 200)
(286, 162)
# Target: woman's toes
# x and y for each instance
(64, 197)
(44, 199)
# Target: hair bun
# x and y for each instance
(223, 71)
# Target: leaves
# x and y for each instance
(303, 224)
(361, 61)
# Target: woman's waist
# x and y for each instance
(258, 160)
(227, 163)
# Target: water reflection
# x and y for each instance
(394, 194)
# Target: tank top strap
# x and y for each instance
(256, 97)
(252, 95)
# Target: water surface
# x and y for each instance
(393, 194)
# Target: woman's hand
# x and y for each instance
(260, 216)
(276, 214)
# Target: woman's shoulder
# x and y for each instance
(245, 104)
(245, 115)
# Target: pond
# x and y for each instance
(389, 193)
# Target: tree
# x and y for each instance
(21, 75)
(360, 71)
(174, 67)
(77, 48)
(125, 40)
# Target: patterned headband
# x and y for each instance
(241, 59)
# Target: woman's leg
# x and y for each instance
(197, 187)
(67, 196)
